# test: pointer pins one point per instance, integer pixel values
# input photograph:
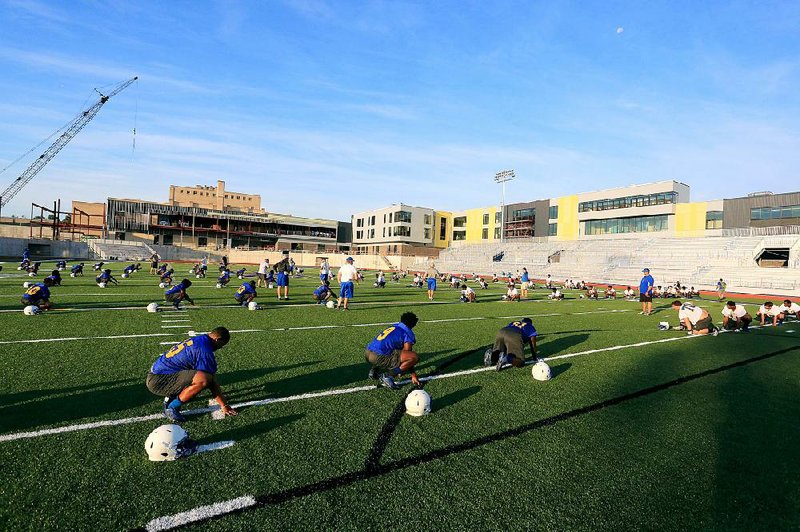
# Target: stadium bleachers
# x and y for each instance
(120, 250)
(697, 262)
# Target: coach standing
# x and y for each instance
(646, 292)
(347, 274)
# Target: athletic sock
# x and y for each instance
(175, 403)
(396, 372)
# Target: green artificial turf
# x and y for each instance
(603, 445)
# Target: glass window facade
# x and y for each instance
(402, 216)
(553, 215)
(775, 213)
(486, 218)
(636, 224)
(497, 233)
(459, 235)
(460, 221)
(552, 229)
(485, 233)
(628, 201)
(521, 215)
(498, 217)
(402, 230)
(714, 220)
(443, 229)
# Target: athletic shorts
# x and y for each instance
(431, 284)
(323, 277)
(283, 279)
(705, 323)
(154, 264)
(645, 298)
(510, 342)
(172, 298)
(346, 290)
(383, 361)
(170, 384)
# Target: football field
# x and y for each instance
(638, 428)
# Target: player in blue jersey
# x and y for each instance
(509, 344)
(224, 278)
(55, 276)
(646, 292)
(177, 293)
(38, 295)
(130, 268)
(98, 266)
(162, 269)
(240, 273)
(76, 270)
(26, 255)
(323, 293)
(391, 352)
(61, 265)
(245, 293)
(105, 277)
(187, 369)
(166, 277)
(282, 280)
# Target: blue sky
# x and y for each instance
(329, 108)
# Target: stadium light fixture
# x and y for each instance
(502, 178)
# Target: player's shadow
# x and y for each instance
(307, 382)
(253, 429)
(558, 345)
(454, 397)
(103, 399)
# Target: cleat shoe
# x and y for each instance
(487, 357)
(173, 414)
(501, 360)
(714, 331)
(387, 381)
(373, 373)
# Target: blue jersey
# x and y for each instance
(391, 339)
(271, 276)
(192, 354)
(61, 264)
(36, 293)
(225, 276)
(165, 276)
(322, 291)
(241, 272)
(524, 278)
(245, 289)
(527, 330)
(646, 284)
(175, 289)
(103, 277)
(77, 268)
(129, 269)
(26, 255)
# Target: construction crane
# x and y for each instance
(71, 129)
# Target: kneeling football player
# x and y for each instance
(187, 369)
(695, 319)
(391, 352)
(510, 342)
(246, 293)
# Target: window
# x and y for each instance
(485, 231)
(486, 218)
(773, 213)
(384, 231)
(360, 222)
(714, 220)
(553, 214)
(459, 235)
(460, 221)
(624, 203)
(427, 219)
(498, 217)
(402, 230)
(371, 220)
(372, 233)
(443, 229)
(552, 229)
(384, 218)
(497, 233)
(638, 224)
(402, 216)
(427, 233)
(359, 234)
(390, 217)
(523, 215)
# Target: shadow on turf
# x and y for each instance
(253, 429)
(454, 397)
(555, 371)
(102, 399)
(554, 347)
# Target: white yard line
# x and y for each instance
(311, 395)
(200, 513)
(174, 321)
(214, 446)
(279, 329)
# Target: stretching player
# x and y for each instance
(76, 270)
(695, 319)
(391, 352)
(55, 277)
(187, 369)
(323, 293)
(38, 295)
(735, 317)
(246, 293)
(177, 293)
(98, 266)
(105, 277)
(509, 344)
(166, 277)
(789, 309)
(224, 278)
(769, 311)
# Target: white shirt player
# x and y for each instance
(467, 291)
(690, 311)
(629, 292)
(793, 308)
(325, 268)
(735, 313)
(347, 273)
(512, 292)
(764, 311)
(263, 267)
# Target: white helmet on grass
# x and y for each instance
(418, 403)
(26, 284)
(31, 310)
(162, 285)
(663, 326)
(541, 371)
(252, 306)
(152, 307)
(167, 443)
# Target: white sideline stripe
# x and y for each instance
(278, 329)
(173, 321)
(200, 513)
(214, 446)
(311, 395)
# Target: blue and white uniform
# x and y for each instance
(193, 354)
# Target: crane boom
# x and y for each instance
(72, 129)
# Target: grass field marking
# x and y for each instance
(75, 338)
(347, 479)
(310, 395)
(174, 321)
(200, 513)
(206, 447)
(173, 326)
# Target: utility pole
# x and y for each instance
(502, 178)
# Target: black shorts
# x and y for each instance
(170, 384)
(383, 361)
(510, 342)
(172, 298)
(645, 298)
(705, 323)
(261, 276)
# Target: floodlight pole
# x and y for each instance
(502, 177)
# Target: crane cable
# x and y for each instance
(135, 119)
